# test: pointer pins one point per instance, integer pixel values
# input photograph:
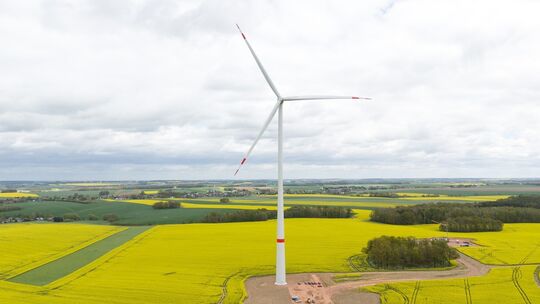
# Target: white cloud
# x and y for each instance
(167, 89)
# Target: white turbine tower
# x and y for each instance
(278, 107)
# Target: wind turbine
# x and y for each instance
(278, 107)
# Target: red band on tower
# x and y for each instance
(281, 240)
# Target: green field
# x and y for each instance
(128, 213)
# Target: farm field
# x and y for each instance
(67, 264)
(128, 213)
(359, 202)
(17, 195)
(500, 285)
(504, 248)
(191, 263)
(26, 246)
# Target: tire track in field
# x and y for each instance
(403, 295)
(353, 260)
(517, 275)
(468, 295)
(415, 292)
(225, 292)
(537, 276)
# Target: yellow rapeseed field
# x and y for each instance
(17, 195)
(149, 202)
(148, 192)
(500, 285)
(516, 244)
(28, 245)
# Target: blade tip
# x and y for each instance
(240, 30)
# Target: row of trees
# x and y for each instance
(515, 201)
(429, 213)
(264, 214)
(318, 212)
(391, 252)
(166, 205)
(487, 216)
(72, 217)
(472, 224)
(239, 216)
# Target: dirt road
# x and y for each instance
(261, 290)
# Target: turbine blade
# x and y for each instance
(265, 126)
(322, 97)
(261, 67)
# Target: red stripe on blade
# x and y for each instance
(281, 240)
(243, 161)
(354, 97)
(243, 36)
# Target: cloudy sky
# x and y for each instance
(166, 89)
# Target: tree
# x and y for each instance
(404, 252)
(71, 217)
(166, 205)
(110, 217)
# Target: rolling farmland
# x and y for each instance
(220, 253)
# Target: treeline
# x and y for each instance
(318, 212)
(472, 224)
(515, 201)
(486, 216)
(264, 214)
(239, 216)
(391, 252)
(166, 205)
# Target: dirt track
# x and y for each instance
(261, 290)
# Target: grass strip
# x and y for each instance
(63, 266)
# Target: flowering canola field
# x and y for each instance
(25, 246)
(501, 285)
(17, 195)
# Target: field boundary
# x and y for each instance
(415, 292)
(36, 264)
(399, 292)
